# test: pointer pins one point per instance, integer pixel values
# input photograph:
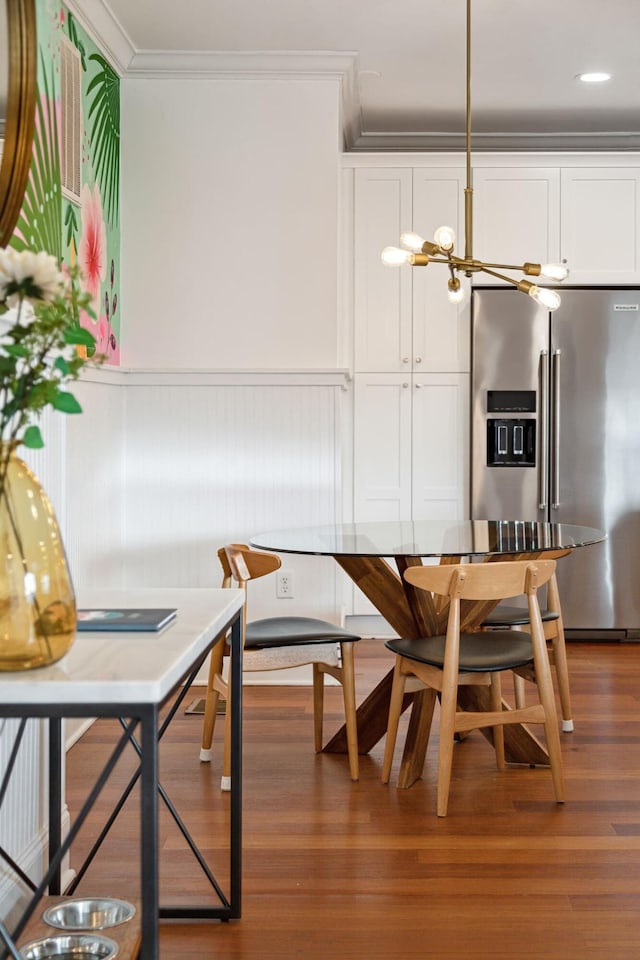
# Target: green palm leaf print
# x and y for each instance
(103, 94)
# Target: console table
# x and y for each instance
(130, 676)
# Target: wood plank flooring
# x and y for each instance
(360, 871)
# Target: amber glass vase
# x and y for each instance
(37, 601)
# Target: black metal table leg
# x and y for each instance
(149, 834)
(55, 798)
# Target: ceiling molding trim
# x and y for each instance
(97, 19)
(240, 65)
(438, 142)
(350, 108)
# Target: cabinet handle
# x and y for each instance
(405, 385)
(405, 359)
(418, 385)
(418, 359)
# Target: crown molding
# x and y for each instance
(96, 18)
(536, 142)
(241, 64)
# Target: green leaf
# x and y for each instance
(79, 336)
(66, 403)
(33, 438)
(62, 365)
(15, 350)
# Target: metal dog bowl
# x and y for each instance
(97, 913)
(70, 946)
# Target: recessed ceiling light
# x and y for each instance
(593, 77)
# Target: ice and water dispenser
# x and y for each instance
(511, 438)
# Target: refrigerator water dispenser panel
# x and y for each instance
(511, 443)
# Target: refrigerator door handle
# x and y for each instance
(555, 386)
(543, 468)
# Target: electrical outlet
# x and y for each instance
(284, 584)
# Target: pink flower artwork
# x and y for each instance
(106, 341)
(92, 251)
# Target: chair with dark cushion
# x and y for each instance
(443, 663)
(277, 643)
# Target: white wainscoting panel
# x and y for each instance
(209, 464)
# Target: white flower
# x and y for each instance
(27, 275)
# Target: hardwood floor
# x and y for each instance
(359, 870)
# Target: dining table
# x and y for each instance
(375, 556)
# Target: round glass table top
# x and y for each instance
(413, 538)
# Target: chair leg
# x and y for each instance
(349, 696)
(547, 698)
(448, 706)
(395, 710)
(562, 677)
(519, 691)
(211, 701)
(496, 705)
(560, 656)
(318, 706)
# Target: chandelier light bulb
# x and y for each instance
(395, 257)
(445, 238)
(546, 298)
(554, 271)
(412, 241)
(456, 292)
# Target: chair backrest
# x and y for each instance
(240, 564)
(483, 581)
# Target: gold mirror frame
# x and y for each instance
(21, 104)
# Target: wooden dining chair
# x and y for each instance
(278, 643)
(505, 617)
(443, 663)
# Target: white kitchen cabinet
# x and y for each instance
(585, 216)
(601, 224)
(410, 449)
(382, 295)
(403, 319)
(516, 217)
(410, 446)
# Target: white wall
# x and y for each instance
(229, 223)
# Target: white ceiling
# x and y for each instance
(408, 56)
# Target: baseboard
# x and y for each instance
(369, 626)
(33, 860)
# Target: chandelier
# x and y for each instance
(418, 252)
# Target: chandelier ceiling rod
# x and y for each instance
(419, 252)
(468, 192)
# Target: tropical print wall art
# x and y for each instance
(85, 229)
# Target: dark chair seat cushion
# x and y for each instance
(293, 631)
(494, 650)
(505, 616)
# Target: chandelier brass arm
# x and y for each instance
(418, 252)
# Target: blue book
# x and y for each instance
(124, 619)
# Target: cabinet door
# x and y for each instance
(382, 447)
(440, 329)
(516, 217)
(600, 224)
(440, 445)
(383, 210)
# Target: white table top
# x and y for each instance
(128, 667)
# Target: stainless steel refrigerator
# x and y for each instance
(555, 435)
